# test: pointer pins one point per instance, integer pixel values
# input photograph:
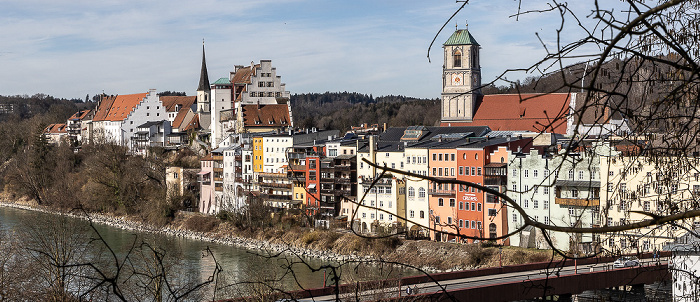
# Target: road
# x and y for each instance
(450, 285)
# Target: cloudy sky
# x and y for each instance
(73, 48)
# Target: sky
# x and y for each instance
(70, 49)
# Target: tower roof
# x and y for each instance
(204, 76)
(461, 37)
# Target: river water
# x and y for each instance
(238, 264)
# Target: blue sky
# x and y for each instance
(73, 48)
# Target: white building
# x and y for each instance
(118, 117)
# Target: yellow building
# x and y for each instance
(258, 154)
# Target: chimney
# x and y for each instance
(384, 127)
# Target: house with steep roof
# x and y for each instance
(118, 116)
(78, 126)
(182, 117)
(56, 133)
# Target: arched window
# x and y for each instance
(411, 192)
(457, 59)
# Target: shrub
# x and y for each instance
(310, 237)
(199, 223)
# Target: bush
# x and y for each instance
(201, 223)
(310, 237)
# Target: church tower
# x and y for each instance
(461, 79)
(204, 89)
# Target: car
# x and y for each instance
(626, 262)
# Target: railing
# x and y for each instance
(441, 192)
(297, 168)
(580, 202)
(276, 185)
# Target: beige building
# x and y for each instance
(634, 184)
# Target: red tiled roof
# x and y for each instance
(117, 107)
(80, 115)
(180, 117)
(55, 128)
(533, 112)
(276, 115)
(243, 74)
(170, 102)
(194, 123)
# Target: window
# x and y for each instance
(478, 225)
(437, 219)
(410, 214)
(526, 203)
(473, 170)
(492, 212)
(411, 192)
(440, 157)
(461, 170)
(546, 220)
(461, 223)
(473, 206)
(571, 174)
(440, 202)
(371, 216)
(452, 157)
(572, 211)
(535, 204)
(434, 156)
(422, 214)
(515, 217)
(478, 171)
(545, 190)
(449, 220)
(461, 205)
(421, 193)
(452, 171)
(452, 202)
(580, 175)
(515, 188)
(391, 217)
(526, 173)
(478, 206)
(473, 224)
(534, 173)
(381, 216)
(545, 204)
(574, 193)
(457, 59)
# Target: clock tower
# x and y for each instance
(461, 78)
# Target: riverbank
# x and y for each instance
(325, 245)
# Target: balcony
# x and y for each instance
(441, 192)
(297, 168)
(578, 202)
(328, 180)
(273, 175)
(276, 185)
(341, 180)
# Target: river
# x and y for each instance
(238, 264)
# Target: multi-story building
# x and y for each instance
(78, 126)
(417, 207)
(212, 182)
(117, 117)
(634, 185)
(555, 188)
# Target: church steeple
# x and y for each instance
(204, 76)
(461, 78)
(204, 89)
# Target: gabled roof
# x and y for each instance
(276, 115)
(117, 107)
(461, 37)
(243, 74)
(170, 102)
(80, 115)
(55, 128)
(177, 122)
(194, 123)
(530, 112)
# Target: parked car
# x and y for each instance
(626, 262)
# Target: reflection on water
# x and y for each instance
(188, 261)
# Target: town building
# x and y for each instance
(117, 117)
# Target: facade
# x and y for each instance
(212, 184)
(635, 184)
(117, 117)
(56, 134)
(417, 206)
(78, 126)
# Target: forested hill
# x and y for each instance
(340, 110)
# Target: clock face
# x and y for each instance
(457, 79)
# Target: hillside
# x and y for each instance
(340, 110)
